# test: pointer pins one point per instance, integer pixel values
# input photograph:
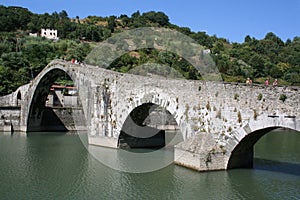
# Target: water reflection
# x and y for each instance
(134, 161)
(60, 167)
(138, 160)
(55, 162)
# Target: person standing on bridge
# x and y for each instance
(267, 82)
(249, 81)
(275, 83)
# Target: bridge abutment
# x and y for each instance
(201, 153)
(103, 141)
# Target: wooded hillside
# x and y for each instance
(23, 57)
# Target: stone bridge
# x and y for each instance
(219, 123)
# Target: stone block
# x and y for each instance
(103, 141)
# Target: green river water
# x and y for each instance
(58, 166)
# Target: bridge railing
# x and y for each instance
(257, 85)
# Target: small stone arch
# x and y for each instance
(138, 132)
(19, 98)
(242, 154)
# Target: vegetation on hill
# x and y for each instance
(23, 57)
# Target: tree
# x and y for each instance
(288, 42)
(165, 57)
(14, 18)
(293, 78)
(203, 39)
(161, 18)
(79, 52)
(271, 36)
(276, 72)
(258, 63)
(63, 14)
(14, 71)
(125, 19)
(185, 30)
(218, 47)
(247, 39)
(136, 15)
(111, 23)
(223, 63)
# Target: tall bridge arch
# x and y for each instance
(33, 109)
(37, 108)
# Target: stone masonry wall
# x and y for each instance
(9, 119)
(234, 111)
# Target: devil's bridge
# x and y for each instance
(219, 123)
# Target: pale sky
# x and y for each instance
(230, 19)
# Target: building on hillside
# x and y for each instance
(49, 34)
(206, 51)
(33, 34)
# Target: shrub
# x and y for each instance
(214, 108)
(208, 106)
(255, 115)
(259, 97)
(239, 117)
(219, 115)
(236, 97)
(283, 97)
(229, 129)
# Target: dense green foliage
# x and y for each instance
(23, 57)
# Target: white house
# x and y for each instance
(49, 33)
(206, 51)
(33, 34)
